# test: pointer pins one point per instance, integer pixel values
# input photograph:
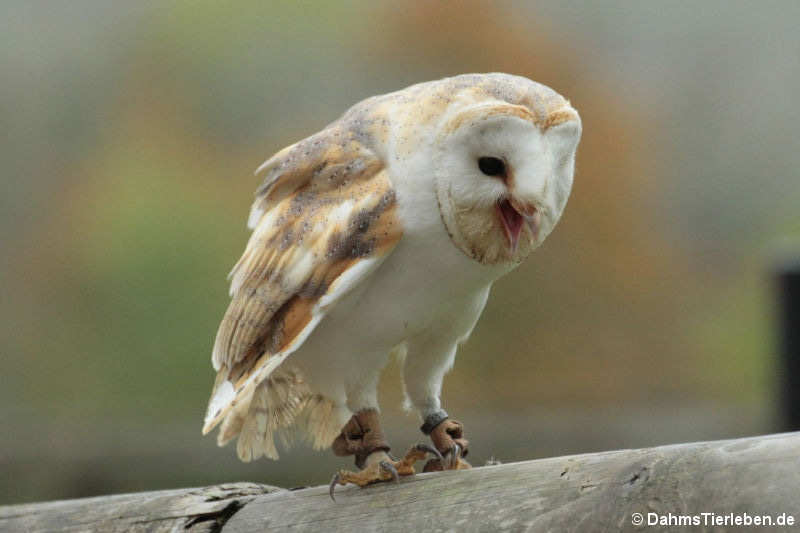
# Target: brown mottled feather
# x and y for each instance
(326, 205)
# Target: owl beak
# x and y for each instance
(512, 222)
(515, 214)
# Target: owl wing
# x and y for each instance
(322, 221)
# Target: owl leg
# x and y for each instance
(425, 366)
(448, 438)
(363, 437)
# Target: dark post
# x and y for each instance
(789, 296)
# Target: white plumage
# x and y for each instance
(382, 232)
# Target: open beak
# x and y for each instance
(514, 215)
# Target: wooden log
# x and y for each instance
(754, 478)
(199, 510)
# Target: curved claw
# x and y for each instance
(389, 467)
(453, 456)
(334, 481)
(430, 449)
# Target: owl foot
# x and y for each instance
(380, 466)
(448, 438)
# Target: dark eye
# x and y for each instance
(492, 166)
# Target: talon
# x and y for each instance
(430, 449)
(336, 479)
(389, 467)
(454, 456)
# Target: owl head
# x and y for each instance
(504, 157)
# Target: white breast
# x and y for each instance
(425, 282)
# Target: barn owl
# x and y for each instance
(382, 234)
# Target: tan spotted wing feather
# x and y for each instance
(323, 220)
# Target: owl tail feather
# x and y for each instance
(282, 408)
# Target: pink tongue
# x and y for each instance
(512, 221)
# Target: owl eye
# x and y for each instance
(492, 166)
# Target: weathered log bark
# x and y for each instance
(750, 477)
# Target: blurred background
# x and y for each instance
(131, 132)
